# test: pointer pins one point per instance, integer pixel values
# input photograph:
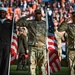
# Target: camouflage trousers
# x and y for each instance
(71, 62)
(37, 59)
(60, 53)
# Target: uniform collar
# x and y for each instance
(2, 20)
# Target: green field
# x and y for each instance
(63, 71)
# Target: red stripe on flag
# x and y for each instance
(13, 44)
(14, 37)
(52, 37)
(54, 62)
(53, 58)
(14, 48)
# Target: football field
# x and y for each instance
(63, 71)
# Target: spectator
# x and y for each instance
(22, 48)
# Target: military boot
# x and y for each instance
(32, 70)
(72, 72)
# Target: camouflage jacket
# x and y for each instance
(70, 29)
(37, 33)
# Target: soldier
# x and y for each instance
(37, 43)
(36, 40)
(70, 30)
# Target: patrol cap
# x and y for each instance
(3, 8)
(73, 13)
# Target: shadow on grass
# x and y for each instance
(14, 72)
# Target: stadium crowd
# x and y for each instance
(59, 10)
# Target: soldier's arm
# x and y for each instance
(62, 27)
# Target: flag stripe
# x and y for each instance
(14, 46)
(54, 62)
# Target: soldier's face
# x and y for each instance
(55, 24)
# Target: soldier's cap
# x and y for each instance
(3, 9)
(73, 13)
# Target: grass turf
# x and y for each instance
(14, 72)
(63, 71)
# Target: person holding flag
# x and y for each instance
(5, 41)
(53, 64)
(69, 28)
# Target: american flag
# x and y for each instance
(52, 47)
(14, 45)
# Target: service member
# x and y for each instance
(5, 41)
(70, 30)
(38, 44)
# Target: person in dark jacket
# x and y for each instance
(22, 48)
(5, 41)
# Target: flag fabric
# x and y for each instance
(52, 47)
(14, 45)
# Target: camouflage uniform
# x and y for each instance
(37, 44)
(70, 29)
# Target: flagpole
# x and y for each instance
(47, 41)
(11, 43)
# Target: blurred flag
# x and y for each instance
(14, 45)
(54, 64)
